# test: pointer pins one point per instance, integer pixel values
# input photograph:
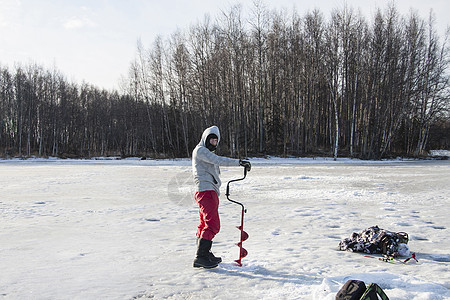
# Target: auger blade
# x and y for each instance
(243, 253)
(244, 235)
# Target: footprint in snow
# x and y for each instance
(389, 202)
(333, 226)
(440, 257)
(334, 237)
(402, 224)
(152, 220)
(438, 227)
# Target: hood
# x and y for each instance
(208, 131)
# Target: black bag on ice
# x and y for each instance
(351, 290)
(356, 290)
(374, 240)
(372, 292)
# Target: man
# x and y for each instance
(205, 165)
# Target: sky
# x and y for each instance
(95, 41)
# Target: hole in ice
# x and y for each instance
(40, 202)
(152, 220)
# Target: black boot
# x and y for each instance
(212, 257)
(202, 258)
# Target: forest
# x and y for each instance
(275, 82)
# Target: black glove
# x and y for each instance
(246, 164)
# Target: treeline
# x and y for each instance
(274, 82)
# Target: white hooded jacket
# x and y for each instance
(205, 164)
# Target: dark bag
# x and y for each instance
(372, 292)
(356, 290)
(374, 240)
(351, 290)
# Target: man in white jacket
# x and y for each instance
(205, 166)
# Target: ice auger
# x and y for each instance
(244, 235)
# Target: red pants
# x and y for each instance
(208, 203)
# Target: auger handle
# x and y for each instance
(234, 180)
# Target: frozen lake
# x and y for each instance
(125, 229)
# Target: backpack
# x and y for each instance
(374, 240)
(373, 290)
(389, 242)
(357, 290)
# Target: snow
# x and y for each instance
(440, 153)
(125, 229)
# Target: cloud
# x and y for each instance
(9, 12)
(78, 22)
(82, 18)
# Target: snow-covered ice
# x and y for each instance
(125, 229)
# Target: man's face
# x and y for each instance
(213, 141)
